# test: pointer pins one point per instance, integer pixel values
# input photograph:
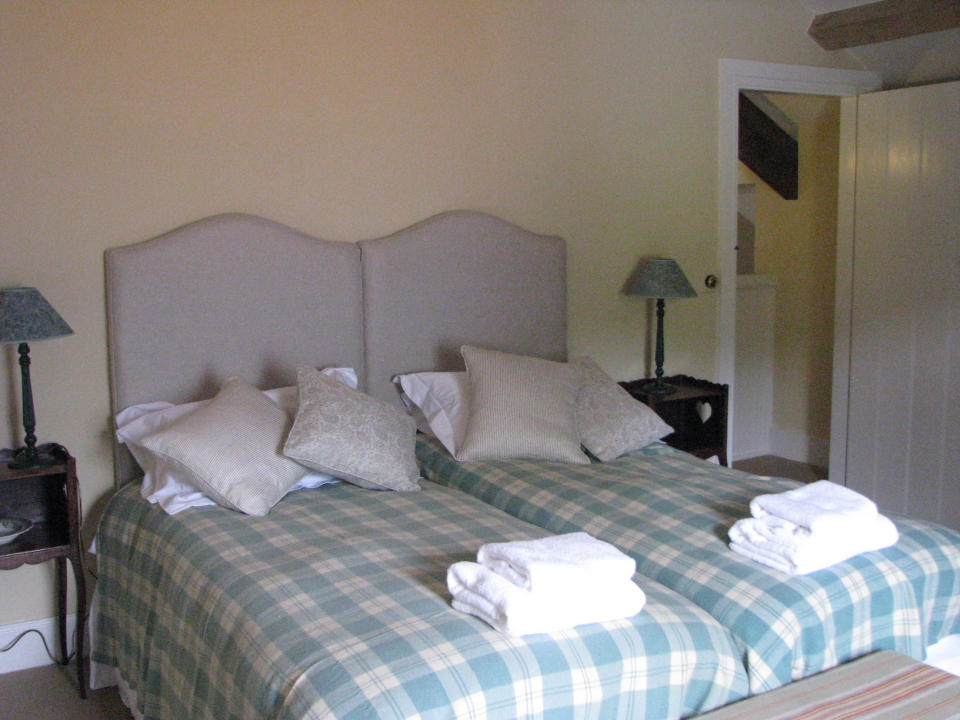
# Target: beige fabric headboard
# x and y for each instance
(460, 277)
(239, 294)
(227, 294)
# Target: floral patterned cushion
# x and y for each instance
(611, 421)
(352, 435)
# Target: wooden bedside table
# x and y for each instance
(679, 410)
(49, 498)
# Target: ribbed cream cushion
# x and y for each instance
(521, 406)
(352, 435)
(229, 449)
(611, 421)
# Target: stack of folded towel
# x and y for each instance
(811, 527)
(539, 586)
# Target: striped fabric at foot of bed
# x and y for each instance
(881, 686)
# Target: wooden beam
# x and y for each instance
(768, 150)
(882, 21)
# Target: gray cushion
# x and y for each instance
(611, 421)
(229, 449)
(521, 406)
(351, 435)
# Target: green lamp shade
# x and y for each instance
(657, 277)
(26, 315)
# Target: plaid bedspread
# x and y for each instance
(671, 512)
(335, 606)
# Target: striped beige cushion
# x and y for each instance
(229, 449)
(521, 406)
(882, 686)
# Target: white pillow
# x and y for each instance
(521, 407)
(444, 400)
(163, 482)
(352, 435)
(611, 421)
(229, 449)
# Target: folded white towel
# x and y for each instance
(822, 505)
(479, 591)
(556, 563)
(793, 549)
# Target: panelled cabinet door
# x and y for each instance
(903, 406)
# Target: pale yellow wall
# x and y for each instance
(593, 119)
(796, 240)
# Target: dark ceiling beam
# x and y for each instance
(882, 21)
(767, 149)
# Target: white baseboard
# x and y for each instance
(29, 652)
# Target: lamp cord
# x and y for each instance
(46, 647)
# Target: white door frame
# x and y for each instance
(737, 75)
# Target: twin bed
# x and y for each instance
(334, 604)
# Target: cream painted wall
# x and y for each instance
(796, 241)
(593, 119)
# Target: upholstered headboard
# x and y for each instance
(240, 294)
(460, 277)
(227, 294)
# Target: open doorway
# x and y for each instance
(786, 269)
(737, 75)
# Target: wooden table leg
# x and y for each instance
(62, 606)
(81, 587)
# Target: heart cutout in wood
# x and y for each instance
(704, 410)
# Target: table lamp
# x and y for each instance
(659, 278)
(26, 315)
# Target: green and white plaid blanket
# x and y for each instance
(335, 606)
(671, 512)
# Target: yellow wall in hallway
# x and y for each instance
(796, 241)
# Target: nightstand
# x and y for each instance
(682, 411)
(49, 498)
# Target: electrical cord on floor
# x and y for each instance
(43, 639)
(46, 647)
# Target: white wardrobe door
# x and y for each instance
(903, 443)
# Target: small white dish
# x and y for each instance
(11, 528)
